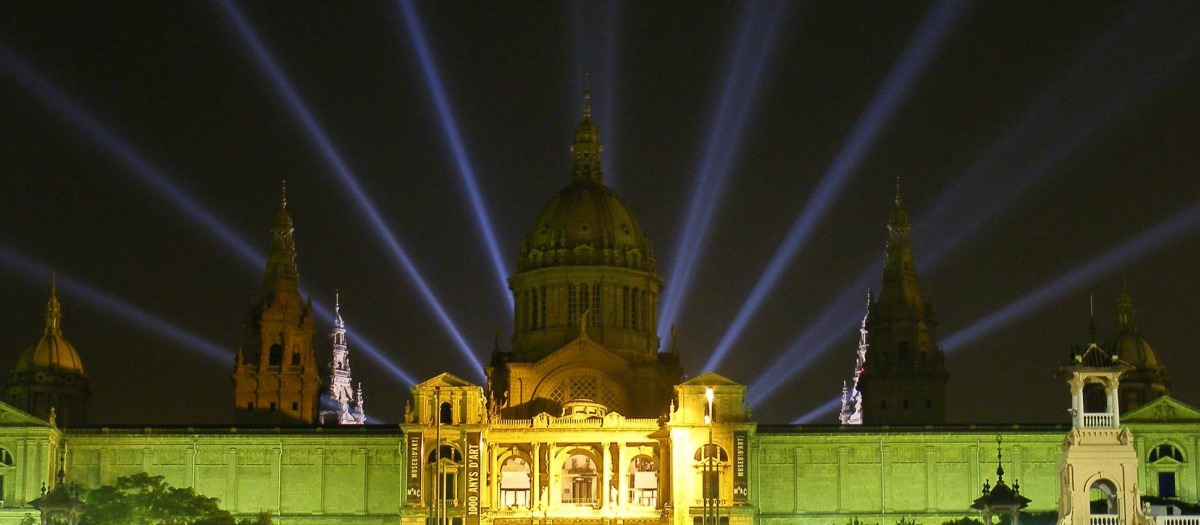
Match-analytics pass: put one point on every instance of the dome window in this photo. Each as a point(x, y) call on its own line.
point(625, 229)
point(583, 227)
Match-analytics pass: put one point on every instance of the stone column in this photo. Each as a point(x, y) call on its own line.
point(930, 485)
point(622, 477)
point(885, 466)
point(231, 481)
point(535, 493)
point(606, 475)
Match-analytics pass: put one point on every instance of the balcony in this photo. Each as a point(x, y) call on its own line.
point(1099, 420)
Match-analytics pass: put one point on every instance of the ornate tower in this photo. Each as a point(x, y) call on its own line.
point(341, 405)
point(1098, 456)
point(586, 280)
point(49, 378)
point(904, 376)
point(852, 407)
point(275, 376)
point(1148, 380)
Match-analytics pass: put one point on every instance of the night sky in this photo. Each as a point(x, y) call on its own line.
point(1087, 112)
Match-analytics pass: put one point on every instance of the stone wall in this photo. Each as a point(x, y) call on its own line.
point(302, 476)
point(931, 475)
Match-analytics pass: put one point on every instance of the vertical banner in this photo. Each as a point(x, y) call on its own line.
point(474, 477)
point(415, 454)
point(741, 445)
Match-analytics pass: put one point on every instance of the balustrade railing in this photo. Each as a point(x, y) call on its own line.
point(1105, 519)
point(1103, 420)
point(1177, 520)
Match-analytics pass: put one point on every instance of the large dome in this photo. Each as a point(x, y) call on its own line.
point(586, 224)
point(1127, 343)
point(1132, 348)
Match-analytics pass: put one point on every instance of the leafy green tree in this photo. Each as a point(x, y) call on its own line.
point(142, 499)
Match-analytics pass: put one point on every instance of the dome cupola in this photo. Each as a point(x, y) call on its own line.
point(48, 379)
point(585, 256)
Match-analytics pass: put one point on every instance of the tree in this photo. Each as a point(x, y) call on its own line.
point(142, 499)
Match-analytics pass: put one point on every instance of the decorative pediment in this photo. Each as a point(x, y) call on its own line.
point(445, 380)
point(585, 351)
point(710, 379)
point(1165, 409)
point(10, 416)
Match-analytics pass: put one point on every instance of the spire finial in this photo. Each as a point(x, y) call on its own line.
point(1092, 317)
point(897, 190)
point(337, 302)
point(53, 308)
point(587, 104)
point(283, 195)
point(999, 460)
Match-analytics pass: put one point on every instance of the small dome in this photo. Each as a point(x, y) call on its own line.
point(52, 351)
point(1132, 348)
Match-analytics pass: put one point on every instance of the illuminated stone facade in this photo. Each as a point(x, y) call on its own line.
point(275, 376)
point(585, 421)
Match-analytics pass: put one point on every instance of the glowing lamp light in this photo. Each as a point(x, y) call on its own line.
point(339, 166)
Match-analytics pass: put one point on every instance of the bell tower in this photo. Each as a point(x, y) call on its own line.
point(902, 370)
point(1098, 471)
point(275, 377)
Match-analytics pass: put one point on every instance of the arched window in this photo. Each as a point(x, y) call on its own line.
point(1103, 498)
point(275, 358)
point(295, 356)
point(1164, 451)
point(710, 461)
point(579, 486)
point(643, 481)
point(446, 461)
point(516, 480)
point(446, 413)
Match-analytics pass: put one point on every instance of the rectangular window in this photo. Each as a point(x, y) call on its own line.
point(633, 310)
point(624, 307)
point(596, 317)
point(295, 406)
point(585, 303)
point(542, 312)
point(571, 304)
point(533, 309)
point(250, 406)
point(272, 407)
point(1166, 484)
